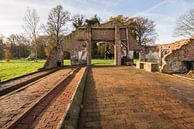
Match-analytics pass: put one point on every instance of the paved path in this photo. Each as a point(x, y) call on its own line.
point(14, 104)
point(128, 98)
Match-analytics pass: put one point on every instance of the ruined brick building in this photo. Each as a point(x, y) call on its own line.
point(177, 57)
point(79, 44)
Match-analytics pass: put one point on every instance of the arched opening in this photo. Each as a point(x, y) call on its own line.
point(136, 57)
point(189, 65)
point(103, 53)
point(66, 58)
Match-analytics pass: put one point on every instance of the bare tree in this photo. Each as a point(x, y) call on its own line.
point(31, 27)
point(185, 24)
point(57, 19)
point(78, 20)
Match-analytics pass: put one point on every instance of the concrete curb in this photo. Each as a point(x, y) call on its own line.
point(71, 116)
point(174, 75)
point(187, 78)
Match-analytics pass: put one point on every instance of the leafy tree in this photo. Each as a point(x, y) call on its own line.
point(95, 53)
point(78, 20)
point(119, 18)
point(19, 46)
point(185, 24)
point(104, 46)
point(42, 44)
point(142, 29)
point(7, 53)
point(95, 20)
point(49, 47)
point(1, 46)
point(92, 21)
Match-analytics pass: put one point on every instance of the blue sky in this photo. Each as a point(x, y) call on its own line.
point(163, 12)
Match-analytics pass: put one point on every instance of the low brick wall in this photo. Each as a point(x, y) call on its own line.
point(70, 119)
point(140, 65)
point(148, 66)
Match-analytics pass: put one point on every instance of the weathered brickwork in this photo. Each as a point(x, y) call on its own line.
point(177, 57)
point(13, 105)
point(79, 44)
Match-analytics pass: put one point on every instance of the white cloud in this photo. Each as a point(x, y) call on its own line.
point(164, 13)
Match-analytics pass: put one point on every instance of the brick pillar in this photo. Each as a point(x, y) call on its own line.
point(59, 55)
point(117, 48)
point(127, 37)
point(89, 46)
point(115, 56)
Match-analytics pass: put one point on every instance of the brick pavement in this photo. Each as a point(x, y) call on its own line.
point(15, 104)
point(129, 98)
point(51, 117)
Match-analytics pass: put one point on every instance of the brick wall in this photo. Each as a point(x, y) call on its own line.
point(171, 57)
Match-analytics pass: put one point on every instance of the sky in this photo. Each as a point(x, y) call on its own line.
point(163, 12)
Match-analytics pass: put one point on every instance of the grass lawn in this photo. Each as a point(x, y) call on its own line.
point(102, 62)
point(135, 61)
point(16, 68)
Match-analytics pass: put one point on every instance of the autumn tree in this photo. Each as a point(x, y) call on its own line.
point(78, 20)
point(55, 27)
point(1, 46)
point(50, 45)
point(19, 46)
point(119, 18)
point(7, 53)
point(142, 29)
point(104, 46)
point(185, 24)
point(44, 46)
point(32, 27)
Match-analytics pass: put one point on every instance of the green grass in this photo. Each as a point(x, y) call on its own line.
point(102, 62)
point(135, 61)
point(67, 62)
point(16, 68)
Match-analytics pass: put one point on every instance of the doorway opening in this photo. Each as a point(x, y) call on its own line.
point(67, 58)
point(103, 53)
point(189, 65)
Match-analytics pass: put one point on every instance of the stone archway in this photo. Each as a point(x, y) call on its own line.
point(108, 34)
